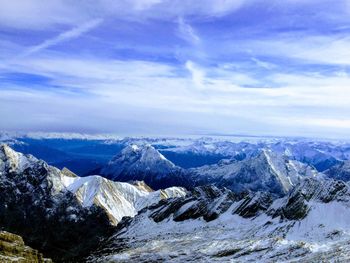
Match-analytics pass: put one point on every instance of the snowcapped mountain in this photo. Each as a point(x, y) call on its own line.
point(145, 163)
point(116, 198)
point(222, 148)
point(310, 224)
point(53, 202)
point(320, 155)
point(35, 204)
point(266, 172)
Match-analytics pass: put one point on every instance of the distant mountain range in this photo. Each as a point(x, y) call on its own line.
point(83, 154)
point(265, 172)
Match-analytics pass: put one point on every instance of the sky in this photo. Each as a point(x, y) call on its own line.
point(140, 67)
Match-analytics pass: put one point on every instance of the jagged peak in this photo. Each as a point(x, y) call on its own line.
point(15, 161)
point(7, 151)
point(146, 152)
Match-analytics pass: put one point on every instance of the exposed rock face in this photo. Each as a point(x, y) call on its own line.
point(145, 163)
point(209, 202)
point(295, 206)
point(65, 171)
point(254, 203)
point(212, 224)
point(13, 249)
point(266, 172)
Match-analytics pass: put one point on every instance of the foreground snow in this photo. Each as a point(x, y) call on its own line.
point(322, 233)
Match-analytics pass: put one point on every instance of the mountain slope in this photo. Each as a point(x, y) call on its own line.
point(145, 163)
point(116, 198)
point(322, 156)
point(266, 172)
point(246, 228)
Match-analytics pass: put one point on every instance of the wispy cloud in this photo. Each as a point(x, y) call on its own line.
point(187, 32)
point(197, 75)
point(263, 64)
point(176, 63)
point(65, 36)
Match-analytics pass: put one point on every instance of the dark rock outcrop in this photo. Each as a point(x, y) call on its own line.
point(13, 249)
point(209, 202)
point(254, 203)
point(295, 205)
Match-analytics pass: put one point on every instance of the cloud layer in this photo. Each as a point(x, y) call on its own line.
point(176, 67)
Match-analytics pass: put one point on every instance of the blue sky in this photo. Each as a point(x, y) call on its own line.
point(140, 67)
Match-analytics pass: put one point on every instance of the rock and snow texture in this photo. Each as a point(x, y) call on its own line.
point(14, 163)
point(145, 163)
point(33, 194)
point(116, 198)
point(218, 226)
point(266, 172)
point(64, 211)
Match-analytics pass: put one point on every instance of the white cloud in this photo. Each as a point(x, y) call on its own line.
point(130, 91)
point(186, 32)
point(110, 91)
point(41, 14)
point(198, 76)
point(318, 49)
point(263, 64)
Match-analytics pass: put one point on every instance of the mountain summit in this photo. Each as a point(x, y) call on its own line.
point(268, 172)
point(145, 163)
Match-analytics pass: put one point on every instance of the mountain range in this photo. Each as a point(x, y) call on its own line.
point(54, 203)
point(267, 205)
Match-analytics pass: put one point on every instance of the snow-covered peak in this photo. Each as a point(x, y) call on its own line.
point(26, 167)
point(145, 163)
point(288, 172)
point(146, 154)
point(118, 199)
point(14, 161)
point(266, 172)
